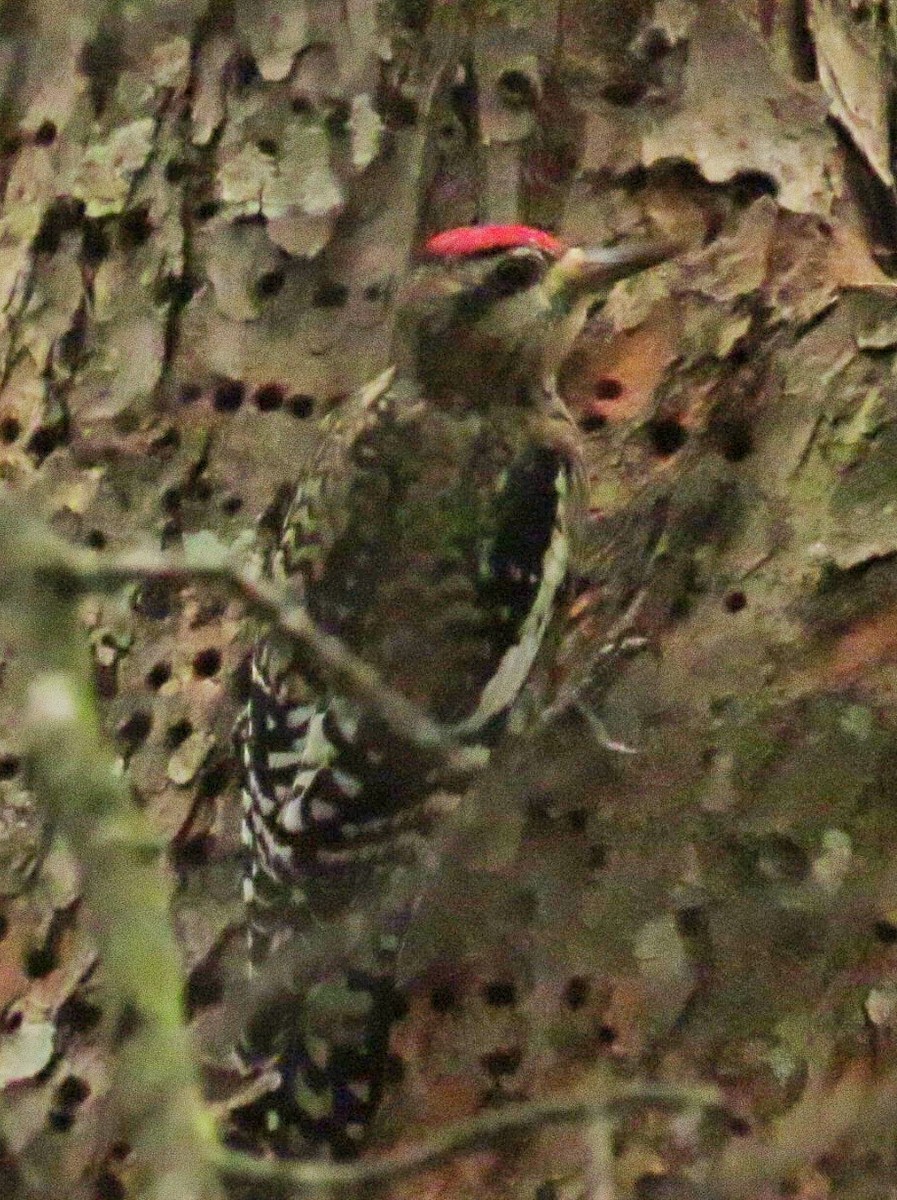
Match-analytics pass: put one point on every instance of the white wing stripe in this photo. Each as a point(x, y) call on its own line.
point(502, 689)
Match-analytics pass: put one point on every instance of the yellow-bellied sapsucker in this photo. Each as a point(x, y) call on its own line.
point(431, 535)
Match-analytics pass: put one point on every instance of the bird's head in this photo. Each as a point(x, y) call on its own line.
point(492, 311)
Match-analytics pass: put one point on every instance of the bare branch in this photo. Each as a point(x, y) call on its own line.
point(76, 571)
point(483, 1129)
point(127, 892)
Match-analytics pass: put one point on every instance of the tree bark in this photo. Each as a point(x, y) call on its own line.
point(206, 211)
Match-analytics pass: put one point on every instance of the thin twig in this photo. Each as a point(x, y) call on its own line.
point(76, 571)
point(352, 676)
point(616, 643)
point(49, 575)
point(461, 1136)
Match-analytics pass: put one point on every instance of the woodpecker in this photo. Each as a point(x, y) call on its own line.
point(432, 535)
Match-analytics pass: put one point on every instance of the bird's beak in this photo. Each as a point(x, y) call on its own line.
point(585, 270)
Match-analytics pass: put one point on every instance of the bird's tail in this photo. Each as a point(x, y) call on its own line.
point(331, 881)
point(329, 1054)
point(324, 1005)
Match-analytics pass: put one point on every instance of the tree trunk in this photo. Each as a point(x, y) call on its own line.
point(688, 876)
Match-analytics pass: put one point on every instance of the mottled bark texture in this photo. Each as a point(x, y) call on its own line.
point(206, 210)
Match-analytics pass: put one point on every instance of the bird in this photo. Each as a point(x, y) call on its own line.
point(432, 535)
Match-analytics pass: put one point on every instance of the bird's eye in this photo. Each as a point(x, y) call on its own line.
point(515, 273)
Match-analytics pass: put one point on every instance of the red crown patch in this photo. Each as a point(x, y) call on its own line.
point(480, 239)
